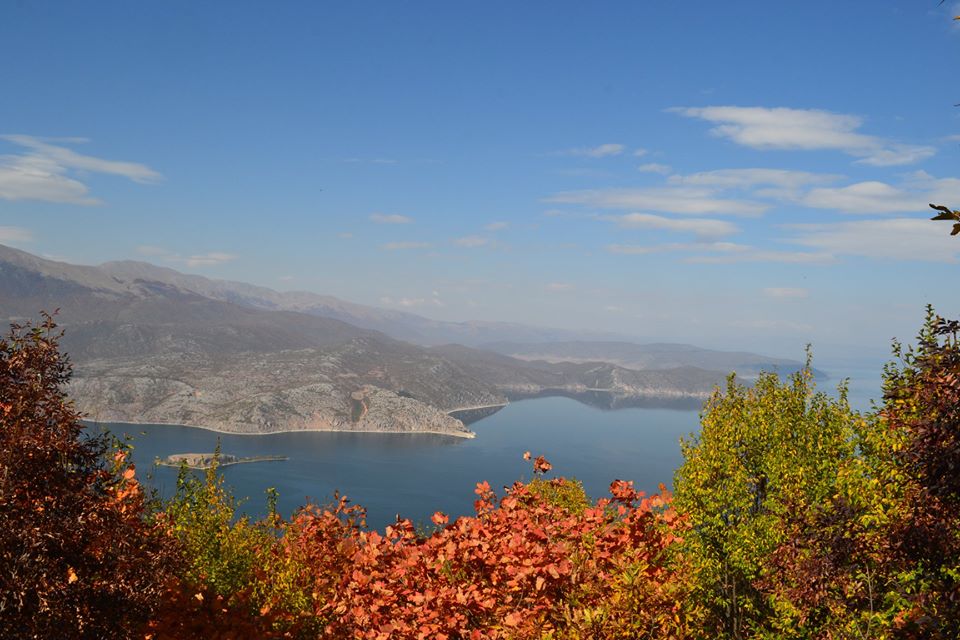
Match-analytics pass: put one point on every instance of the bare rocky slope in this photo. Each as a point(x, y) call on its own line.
point(151, 345)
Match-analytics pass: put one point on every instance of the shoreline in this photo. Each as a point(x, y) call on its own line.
point(499, 405)
point(466, 435)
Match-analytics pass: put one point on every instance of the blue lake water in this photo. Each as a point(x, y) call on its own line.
point(417, 474)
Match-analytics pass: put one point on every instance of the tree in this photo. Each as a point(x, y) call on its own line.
point(77, 557)
point(763, 453)
point(922, 404)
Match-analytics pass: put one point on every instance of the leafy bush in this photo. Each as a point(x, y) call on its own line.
point(764, 454)
point(78, 558)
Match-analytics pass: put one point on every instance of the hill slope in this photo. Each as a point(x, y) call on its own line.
point(153, 345)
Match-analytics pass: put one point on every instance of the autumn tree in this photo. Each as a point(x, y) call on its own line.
point(77, 557)
point(922, 406)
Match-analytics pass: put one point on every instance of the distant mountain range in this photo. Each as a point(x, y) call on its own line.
point(152, 345)
point(647, 356)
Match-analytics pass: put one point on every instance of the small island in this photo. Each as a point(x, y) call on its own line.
point(206, 460)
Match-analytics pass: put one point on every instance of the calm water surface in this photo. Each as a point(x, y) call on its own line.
point(417, 474)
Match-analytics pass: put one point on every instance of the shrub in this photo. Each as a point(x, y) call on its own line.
point(77, 557)
point(763, 455)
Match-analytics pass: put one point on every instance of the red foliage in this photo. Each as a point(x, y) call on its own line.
point(77, 559)
point(521, 568)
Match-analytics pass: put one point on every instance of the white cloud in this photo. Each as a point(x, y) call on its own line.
point(346, 235)
point(916, 239)
point(804, 129)
point(634, 249)
point(864, 197)
point(211, 259)
point(955, 138)
point(395, 246)
point(786, 292)
point(497, 226)
point(559, 286)
point(472, 241)
point(639, 153)
point(392, 218)
point(702, 227)
point(654, 167)
point(748, 178)
point(753, 254)
point(43, 171)
point(600, 151)
point(911, 196)
point(15, 234)
point(680, 200)
point(207, 259)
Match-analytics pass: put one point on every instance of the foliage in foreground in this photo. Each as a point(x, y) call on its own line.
point(795, 517)
point(78, 557)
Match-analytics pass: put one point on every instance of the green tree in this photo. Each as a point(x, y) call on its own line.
point(763, 454)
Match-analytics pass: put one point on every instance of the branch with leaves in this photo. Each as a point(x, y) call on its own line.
point(947, 214)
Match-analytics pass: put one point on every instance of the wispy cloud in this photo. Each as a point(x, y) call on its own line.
point(15, 234)
point(472, 241)
point(208, 259)
point(50, 172)
point(805, 129)
point(792, 293)
point(754, 177)
point(672, 247)
point(754, 254)
point(211, 259)
point(655, 167)
point(681, 200)
point(701, 227)
point(599, 151)
point(391, 218)
point(496, 226)
point(870, 198)
point(893, 239)
point(556, 287)
point(400, 246)
point(863, 197)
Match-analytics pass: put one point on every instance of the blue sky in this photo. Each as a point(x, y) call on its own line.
point(747, 174)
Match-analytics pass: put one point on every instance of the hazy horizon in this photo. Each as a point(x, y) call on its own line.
point(638, 170)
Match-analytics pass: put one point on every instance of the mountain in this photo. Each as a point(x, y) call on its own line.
point(656, 356)
point(401, 325)
point(152, 345)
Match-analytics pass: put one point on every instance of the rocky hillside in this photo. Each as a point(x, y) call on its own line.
point(152, 345)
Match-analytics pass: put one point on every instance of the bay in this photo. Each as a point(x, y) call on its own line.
point(413, 475)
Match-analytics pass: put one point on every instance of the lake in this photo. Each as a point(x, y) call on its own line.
point(417, 474)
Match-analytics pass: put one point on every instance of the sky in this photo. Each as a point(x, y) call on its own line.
point(736, 175)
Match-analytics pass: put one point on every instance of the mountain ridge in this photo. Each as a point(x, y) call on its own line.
point(153, 345)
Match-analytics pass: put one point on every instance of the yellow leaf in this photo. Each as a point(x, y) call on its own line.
point(71, 575)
